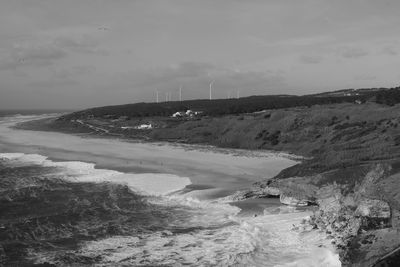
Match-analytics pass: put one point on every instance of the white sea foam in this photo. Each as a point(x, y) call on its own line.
point(253, 241)
point(220, 237)
point(77, 171)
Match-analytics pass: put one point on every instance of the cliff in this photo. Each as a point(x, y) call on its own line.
point(358, 207)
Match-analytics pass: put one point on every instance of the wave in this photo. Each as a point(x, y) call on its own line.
point(263, 241)
point(77, 171)
point(199, 233)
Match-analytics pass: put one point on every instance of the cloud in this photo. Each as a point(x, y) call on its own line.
point(365, 77)
point(307, 59)
point(31, 55)
point(52, 83)
point(39, 53)
point(195, 77)
point(353, 52)
point(390, 50)
point(73, 72)
point(80, 44)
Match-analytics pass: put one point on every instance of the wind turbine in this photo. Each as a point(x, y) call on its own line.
point(237, 94)
point(157, 96)
point(211, 84)
point(180, 93)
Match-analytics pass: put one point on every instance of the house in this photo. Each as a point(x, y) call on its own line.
point(192, 113)
point(178, 114)
point(188, 113)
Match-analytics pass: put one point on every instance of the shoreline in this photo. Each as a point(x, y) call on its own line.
point(331, 171)
point(244, 167)
point(39, 126)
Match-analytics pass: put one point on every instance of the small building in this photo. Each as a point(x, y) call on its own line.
point(192, 113)
point(187, 113)
point(178, 114)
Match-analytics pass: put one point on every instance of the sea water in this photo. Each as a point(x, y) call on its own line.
point(204, 233)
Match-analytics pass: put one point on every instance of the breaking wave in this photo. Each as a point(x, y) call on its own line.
point(198, 233)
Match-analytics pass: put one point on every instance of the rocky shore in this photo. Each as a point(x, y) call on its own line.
point(358, 208)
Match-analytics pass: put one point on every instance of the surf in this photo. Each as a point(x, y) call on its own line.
point(198, 232)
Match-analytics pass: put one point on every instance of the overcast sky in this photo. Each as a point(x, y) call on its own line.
point(83, 53)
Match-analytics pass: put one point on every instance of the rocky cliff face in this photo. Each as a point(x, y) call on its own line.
point(360, 215)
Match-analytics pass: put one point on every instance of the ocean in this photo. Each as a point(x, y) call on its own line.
point(67, 200)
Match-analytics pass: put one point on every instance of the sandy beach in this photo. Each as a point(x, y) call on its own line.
point(217, 172)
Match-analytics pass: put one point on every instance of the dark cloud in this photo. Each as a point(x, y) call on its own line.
point(81, 44)
point(307, 59)
point(72, 72)
point(39, 54)
point(52, 83)
point(353, 52)
point(32, 55)
point(195, 77)
point(390, 50)
point(365, 77)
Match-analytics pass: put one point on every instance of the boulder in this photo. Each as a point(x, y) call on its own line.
point(271, 191)
point(330, 204)
point(373, 208)
point(292, 201)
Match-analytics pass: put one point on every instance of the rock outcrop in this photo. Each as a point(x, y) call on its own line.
point(356, 208)
point(292, 201)
point(373, 208)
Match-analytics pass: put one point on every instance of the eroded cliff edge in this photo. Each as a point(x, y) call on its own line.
point(358, 207)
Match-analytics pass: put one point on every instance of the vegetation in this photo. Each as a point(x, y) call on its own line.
point(242, 105)
point(389, 97)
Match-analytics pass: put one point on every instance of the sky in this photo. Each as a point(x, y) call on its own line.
point(82, 53)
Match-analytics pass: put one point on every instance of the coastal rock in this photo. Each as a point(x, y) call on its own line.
point(272, 191)
point(255, 192)
point(373, 208)
point(292, 201)
point(330, 204)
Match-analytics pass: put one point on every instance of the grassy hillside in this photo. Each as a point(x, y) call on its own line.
point(213, 107)
point(219, 107)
